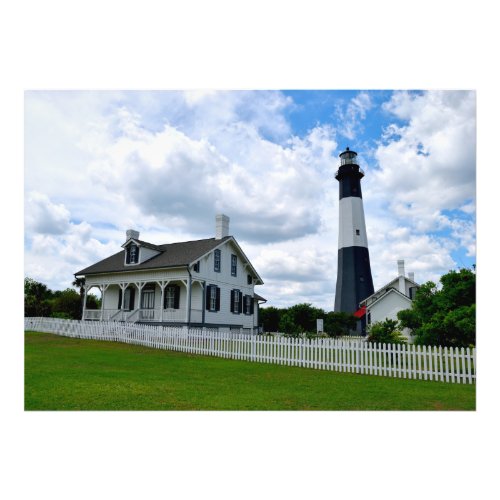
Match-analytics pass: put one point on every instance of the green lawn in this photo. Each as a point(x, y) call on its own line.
point(72, 374)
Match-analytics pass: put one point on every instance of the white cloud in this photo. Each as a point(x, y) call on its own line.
point(351, 118)
point(426, 174)
point(43, 216)
point(430, 166)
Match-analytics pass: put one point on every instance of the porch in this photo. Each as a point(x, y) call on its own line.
point(177, 301)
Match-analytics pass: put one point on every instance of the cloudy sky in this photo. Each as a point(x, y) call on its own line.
point(165, 162)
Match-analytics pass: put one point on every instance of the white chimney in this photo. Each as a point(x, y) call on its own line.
point(411, 276)
point(401, 274)
point(221, 226)
point(132, 233)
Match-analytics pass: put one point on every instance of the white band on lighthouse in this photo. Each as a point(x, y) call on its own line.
point(352, 228)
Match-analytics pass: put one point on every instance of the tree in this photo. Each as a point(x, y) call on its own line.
point(36, 297)
point(66, 304)
point(385, 332)
point(300, 318)
point(338, 324)
point(445, 316)
point(270, 317)
point(80, 284)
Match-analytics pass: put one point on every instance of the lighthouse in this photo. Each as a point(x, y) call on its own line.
point(354, 275)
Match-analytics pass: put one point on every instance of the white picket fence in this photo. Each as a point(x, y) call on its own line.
point(455, 365)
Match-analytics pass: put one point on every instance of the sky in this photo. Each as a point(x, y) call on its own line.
point(166, 162)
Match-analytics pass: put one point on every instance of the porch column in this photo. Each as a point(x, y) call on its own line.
point(162, 285)
point(188, 289)
point(140, 285)
point(123, 287)
point(86, 287)
point(103, 289)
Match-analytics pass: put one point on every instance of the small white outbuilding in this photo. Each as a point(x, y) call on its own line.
point(395, 296)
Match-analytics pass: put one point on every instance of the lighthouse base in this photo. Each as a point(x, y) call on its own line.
point(354, 280)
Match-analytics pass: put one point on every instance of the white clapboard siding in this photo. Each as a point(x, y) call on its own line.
point(453, 365)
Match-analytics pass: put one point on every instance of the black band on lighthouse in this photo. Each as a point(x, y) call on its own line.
point(349, 186)
point(354, 278)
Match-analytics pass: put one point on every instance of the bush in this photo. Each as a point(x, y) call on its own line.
point(61, 315)
point(386, 332)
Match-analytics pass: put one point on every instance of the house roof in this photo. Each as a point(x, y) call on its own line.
point(385, 294)
point(389, 286)
point(171, 255)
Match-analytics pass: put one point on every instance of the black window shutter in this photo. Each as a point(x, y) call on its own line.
point(132, 297)
point(251, 305)
point(207, 297)
point(217, 299)
point(177, 296)
point(120, 298)
point(127, 253)
point(240, 302)
point(232, 301)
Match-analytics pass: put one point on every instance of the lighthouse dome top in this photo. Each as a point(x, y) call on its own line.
point(348, 157)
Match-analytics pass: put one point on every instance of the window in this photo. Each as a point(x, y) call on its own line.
point(236, 301)
point(249, 279)
point(196, 267)
point(234, 264)
point(148, 299)
point(171, 297)
point(217, 261)
point(357, 232)
point(212, 298)
point(248, 304)
point(132, 255)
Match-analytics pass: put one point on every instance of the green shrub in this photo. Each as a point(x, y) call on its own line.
point(386, 332)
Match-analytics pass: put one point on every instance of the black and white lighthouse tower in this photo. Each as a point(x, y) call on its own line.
point(354, 275)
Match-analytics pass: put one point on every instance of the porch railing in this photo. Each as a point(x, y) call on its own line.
point(174, 315)
point(92, 314)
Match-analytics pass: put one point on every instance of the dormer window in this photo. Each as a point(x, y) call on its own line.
point(132, 254)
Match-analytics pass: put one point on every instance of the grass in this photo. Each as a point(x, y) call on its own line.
point(73, 374)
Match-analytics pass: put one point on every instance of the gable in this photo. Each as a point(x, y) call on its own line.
point(391, 297)
point(229, 246)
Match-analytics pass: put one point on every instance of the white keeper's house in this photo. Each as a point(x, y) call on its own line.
point(204, 283)
point(393, 297)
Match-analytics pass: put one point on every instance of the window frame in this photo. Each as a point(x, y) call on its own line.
point(247, 305)
point(217, 260)
point(213, 299)
point(234, 265)
point(128, 254)
point(148, 293)
point(169, 289)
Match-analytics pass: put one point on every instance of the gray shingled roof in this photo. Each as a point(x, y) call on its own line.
point(172, 255)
